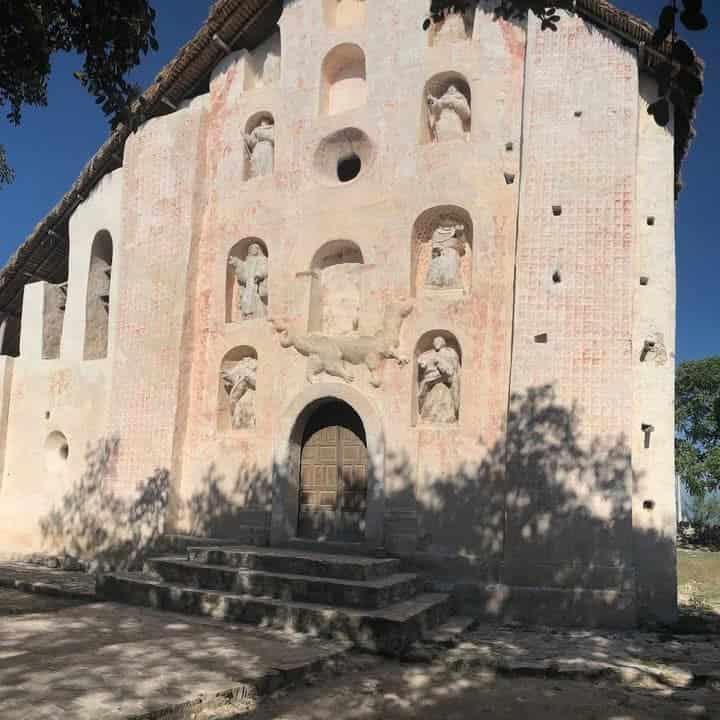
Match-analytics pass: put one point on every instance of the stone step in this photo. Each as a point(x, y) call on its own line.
point(176, 544)
point(336, 547)
point(369, 594)
point(297, 562)
point(389, 630)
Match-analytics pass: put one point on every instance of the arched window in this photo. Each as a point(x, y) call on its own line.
point(237, 387)
point(246, 294)
point(343, 13)
point(446, 111)
point(337, 288)
point(442, 250)
point(97, 307)
point(437, 379)
point(343, 83)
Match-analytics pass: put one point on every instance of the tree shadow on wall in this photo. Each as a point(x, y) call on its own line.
point(219, 507)
point(95, 523)
point(545, 507)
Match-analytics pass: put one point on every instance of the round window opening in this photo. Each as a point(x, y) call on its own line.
point(348, 167)
point(343, 156)
point(57, 451)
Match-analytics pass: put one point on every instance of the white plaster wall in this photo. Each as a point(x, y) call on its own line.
point(654, 504)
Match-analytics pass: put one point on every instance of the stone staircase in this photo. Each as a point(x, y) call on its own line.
point(364, 599)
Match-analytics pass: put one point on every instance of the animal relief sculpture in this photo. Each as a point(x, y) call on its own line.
point(332, 354)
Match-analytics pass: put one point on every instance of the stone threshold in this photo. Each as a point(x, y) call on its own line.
point(31, 578)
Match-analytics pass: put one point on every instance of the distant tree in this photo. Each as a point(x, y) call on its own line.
point(110, 35)
point(697, 424)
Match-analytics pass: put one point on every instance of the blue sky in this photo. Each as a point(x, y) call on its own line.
point(51, 146)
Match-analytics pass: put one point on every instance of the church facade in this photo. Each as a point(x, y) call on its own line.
point(367, 284)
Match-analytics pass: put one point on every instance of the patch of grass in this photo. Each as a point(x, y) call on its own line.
point(699, 578)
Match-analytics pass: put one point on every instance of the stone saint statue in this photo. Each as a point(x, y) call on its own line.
point(251, 275)
point(449, 27)
point(261, 146)
point(239, 383)
point(448, 245)
point(439, 383)
point(448, 115)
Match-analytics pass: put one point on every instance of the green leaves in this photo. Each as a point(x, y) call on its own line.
point(697, 424)
point(111, 35)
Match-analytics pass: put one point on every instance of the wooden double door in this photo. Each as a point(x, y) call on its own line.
point(333, 475)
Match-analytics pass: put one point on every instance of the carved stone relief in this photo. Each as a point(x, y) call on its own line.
point(449, 115)
point(239, 382)
point(438, 392)
point(332, 354)
point(251, 276)
point(260, 142)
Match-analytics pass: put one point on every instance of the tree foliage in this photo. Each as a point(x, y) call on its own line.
point(697, 424)
point(109, 35)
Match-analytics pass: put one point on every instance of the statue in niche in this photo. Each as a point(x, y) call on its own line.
point(239, 384)
point(251, 275)
point(270, 72)
point(449, 27)
point(261, 148)
point(439, 383)
point(448, 115)
point(447, 247)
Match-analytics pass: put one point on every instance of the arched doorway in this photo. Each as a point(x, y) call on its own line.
point(333, 474)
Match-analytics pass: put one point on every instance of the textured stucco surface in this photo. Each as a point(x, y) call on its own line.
point(533, 501)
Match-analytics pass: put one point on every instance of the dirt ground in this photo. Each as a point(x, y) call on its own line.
point(699, 578)
point(369, 688)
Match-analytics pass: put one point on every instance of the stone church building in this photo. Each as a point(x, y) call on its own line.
point(360, 280)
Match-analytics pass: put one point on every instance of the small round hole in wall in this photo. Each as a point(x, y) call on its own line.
point(57, 451)
point(343, 156)
point(349, 167)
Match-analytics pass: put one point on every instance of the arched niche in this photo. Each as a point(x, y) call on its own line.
point(259, 145)
point(57, 452)
point(287, 451)
point(336, 294)
point(343, 82)
point(97, 308)
point(446, 108)
point(442, 248)
point(247, 280)
point(236, 409)
point(449, 25)
point(437, 379)
point(263, 64)
point(343, 13)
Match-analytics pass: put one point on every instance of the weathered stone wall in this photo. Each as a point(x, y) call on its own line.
point(56, 409)
point(569, 521)
point(534, 497)
point(654, 504)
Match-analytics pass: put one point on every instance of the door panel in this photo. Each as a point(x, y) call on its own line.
point(333, 477)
